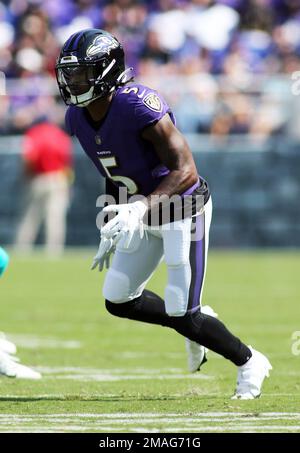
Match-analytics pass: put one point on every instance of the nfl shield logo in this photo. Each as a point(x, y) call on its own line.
point(98, 139)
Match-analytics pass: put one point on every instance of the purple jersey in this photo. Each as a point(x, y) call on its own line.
point(116, 147)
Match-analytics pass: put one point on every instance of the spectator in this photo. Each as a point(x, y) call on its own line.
point(243, 40)
point(47, 161)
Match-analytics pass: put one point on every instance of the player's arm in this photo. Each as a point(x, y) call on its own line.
point(174, 152)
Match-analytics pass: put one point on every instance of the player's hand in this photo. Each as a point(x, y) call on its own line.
point(128, 220)
point(106, 248)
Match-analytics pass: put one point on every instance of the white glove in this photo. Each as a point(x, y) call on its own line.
point(128, 220)
point(106, 248)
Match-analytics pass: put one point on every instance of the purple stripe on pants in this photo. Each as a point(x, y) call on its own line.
point(200, 259)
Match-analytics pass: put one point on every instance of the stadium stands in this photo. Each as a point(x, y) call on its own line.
point(225, 66)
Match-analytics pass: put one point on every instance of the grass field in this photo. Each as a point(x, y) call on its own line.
point(103, 374)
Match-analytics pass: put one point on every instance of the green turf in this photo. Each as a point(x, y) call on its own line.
point(103, 374)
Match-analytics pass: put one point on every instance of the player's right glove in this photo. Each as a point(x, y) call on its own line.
point(107, 246)
point(129, 219)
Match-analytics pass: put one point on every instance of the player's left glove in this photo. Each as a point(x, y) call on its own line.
point(128, 220)
point(106, 248)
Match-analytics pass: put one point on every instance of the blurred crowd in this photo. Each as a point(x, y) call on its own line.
point(225, 66)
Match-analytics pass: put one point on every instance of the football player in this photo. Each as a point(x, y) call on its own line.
point(9, 365)
point(130, 134)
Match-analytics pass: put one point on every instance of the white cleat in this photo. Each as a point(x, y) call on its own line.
point(196, 352)
point(7, 346)
point(196, 355)
point(10, 368)
point(251, 376)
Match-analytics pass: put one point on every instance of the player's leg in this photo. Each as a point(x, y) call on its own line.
point(191, 321)
point(253, 367)
point(32, 218)
point(55, 213)
point(131, 268)
point(125, 281)
point(185, 256)
point(185, 247)
point(5, 345)
point(197, 354)
point(8, 362)
point(183, 308)
point(10, 367)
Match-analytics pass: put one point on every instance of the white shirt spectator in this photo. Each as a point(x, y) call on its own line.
point(212, 27)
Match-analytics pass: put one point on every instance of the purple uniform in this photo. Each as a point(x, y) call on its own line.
point(116, 147)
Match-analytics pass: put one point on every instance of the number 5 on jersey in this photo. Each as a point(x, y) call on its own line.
point(110, 162)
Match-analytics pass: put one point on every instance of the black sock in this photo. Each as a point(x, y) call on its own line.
point(198, 327)
point(214, 335)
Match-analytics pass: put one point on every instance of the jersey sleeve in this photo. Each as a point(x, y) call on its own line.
point(143, 106)
point(150, 109)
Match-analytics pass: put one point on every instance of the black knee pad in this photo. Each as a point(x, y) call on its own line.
point(142, 309)
point(121, 310)
point(146, 308)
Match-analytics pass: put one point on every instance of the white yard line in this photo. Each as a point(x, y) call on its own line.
point(106, 377)
point(117, 374)
point(150, 422)
point(185, 421)
point(83, 370)
point(140, 429)
point(145, 355)
point(179, 429)
point(36, 342)
point(158, 416)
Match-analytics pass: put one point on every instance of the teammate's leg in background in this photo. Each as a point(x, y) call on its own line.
point(4, 260)
point(9, 365)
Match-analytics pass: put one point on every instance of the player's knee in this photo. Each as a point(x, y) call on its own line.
point(175, 301)
point(176, 260)
point(124, 310)
point(116, 287)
